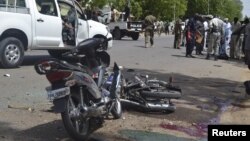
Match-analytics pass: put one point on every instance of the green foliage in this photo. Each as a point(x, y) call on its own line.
point(172, 9)
point(98, 3)
point(164, 9)
point(222, 8)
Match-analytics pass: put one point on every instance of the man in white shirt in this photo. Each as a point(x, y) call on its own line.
point(205, 23)
point(216, 32)
point(225, 47)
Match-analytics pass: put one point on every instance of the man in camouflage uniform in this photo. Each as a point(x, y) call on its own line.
point(177, 34)
point(149, 30)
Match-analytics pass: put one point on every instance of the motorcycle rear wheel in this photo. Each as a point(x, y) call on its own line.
point(77, 127)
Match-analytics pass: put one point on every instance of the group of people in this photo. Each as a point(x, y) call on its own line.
point(222, 38)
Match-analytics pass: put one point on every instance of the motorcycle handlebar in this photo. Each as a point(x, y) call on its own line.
point(104, 41)
point(75, 51)
point(72, 51)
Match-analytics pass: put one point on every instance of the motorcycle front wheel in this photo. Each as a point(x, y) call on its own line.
point(116, 110)
point(76, 126)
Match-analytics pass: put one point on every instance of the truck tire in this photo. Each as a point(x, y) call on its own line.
point(11, 52)
point(117, 34)
point(56, 53)
point(135, 36)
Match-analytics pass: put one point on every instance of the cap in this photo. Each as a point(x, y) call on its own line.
point(210, 16)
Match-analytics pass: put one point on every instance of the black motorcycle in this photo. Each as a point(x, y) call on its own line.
point(80, 91)
point(150, 95)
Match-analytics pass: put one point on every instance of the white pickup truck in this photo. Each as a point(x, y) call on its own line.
point(53, 25)
point(120, 28)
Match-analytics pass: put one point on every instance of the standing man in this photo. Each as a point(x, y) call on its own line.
point(205, 23)
point(167, 28)
point(190, 37)
point(177, 33)
point(216, 32)
point(234, 45)
point(199, 34)
point(149, 30)
point(225, 47)
point(247, 42)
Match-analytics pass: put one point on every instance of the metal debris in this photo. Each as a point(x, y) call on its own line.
point(6, 75)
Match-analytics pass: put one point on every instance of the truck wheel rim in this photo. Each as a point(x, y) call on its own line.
point(12, 53)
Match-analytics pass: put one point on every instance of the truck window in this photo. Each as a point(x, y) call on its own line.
point(20, 3)
point(12, 3)
point(16, 6)
point(46, 7)
point(80, 12)
point(65, 10)
point(2, 3)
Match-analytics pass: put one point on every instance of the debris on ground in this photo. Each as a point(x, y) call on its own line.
point(21, 108)
point(6, 75)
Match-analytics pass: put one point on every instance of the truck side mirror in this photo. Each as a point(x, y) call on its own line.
point(83, 16)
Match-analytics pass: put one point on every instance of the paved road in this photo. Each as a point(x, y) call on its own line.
point(201, 80)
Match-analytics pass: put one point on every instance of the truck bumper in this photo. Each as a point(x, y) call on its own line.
point(110, 43)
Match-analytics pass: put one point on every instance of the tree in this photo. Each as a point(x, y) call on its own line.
point(222, 8)
point(164, 9)
point(171, 9)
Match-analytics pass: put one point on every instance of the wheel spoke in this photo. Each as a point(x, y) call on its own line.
point(71, 114)
point(9, 47)
point(83, 126)
point(77, 126)
point(71, 102)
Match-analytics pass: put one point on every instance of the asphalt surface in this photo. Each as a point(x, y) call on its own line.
point(23, 87)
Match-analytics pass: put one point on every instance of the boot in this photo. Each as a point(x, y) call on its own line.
point(215, 58)
point(208, 56)
point(147, 45)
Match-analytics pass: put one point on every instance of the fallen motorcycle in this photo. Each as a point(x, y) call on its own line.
point(150, 95)
point(79, 91)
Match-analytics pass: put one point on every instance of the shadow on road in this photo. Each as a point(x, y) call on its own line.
point(140, 46)
point(150, 136)
point(30, 60)
point(237, 63)
point(51, 131)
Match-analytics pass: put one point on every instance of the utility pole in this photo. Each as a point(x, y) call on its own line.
point(207, 6)
point(174, 9)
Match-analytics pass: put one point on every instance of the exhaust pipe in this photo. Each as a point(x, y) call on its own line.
point(132, 103)
point(159, 106)
point(150, 106)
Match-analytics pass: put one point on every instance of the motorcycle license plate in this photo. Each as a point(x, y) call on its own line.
point(58, 93)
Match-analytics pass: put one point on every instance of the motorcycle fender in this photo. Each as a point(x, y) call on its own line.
point(59, 105)
point(87, 80)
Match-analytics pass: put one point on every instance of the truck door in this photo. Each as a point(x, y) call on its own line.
point(82, 30)
point(48, 24)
